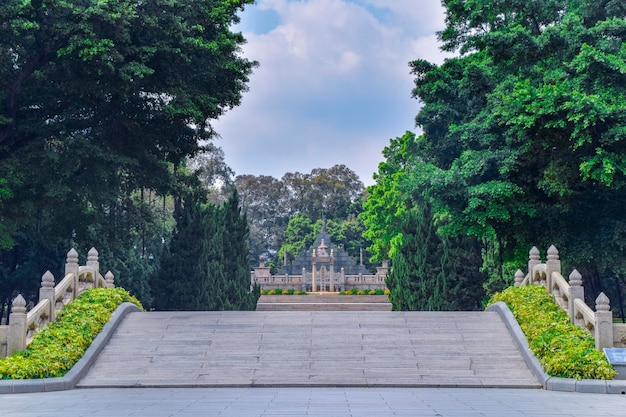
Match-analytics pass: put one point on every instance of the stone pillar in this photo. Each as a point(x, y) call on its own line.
point(533, 260)
point(553, 264)
point(46, 292)
point(343, 279)
point(574, 292)
point(71, 267)
point(519, 277)
point(603, 326)
point(92, 261)
point(304, 279)
point(332, 270)
point(109, 279)
point(313, 277)
point(16, 339)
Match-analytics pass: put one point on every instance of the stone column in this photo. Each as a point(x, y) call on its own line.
point(46, 292)
point(343, 279)
point(603, 326)
point(71, 267)
point(304, 279)
point(519, 277)
point(533, 259)
point(332, 270)
point(575, 291)
point(16, 339)
point(553, 264)
point(313, 277)
point(92, 261)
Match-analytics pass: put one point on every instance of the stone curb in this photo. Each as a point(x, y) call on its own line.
point(551, 383)
point(79, 370)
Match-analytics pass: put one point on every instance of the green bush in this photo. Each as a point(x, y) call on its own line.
point(58, 346)
point(563, 349)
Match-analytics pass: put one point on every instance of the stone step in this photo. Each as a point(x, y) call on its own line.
point(323, 302)
point(311, 349)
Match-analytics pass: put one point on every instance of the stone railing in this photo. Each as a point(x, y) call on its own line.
point(52, 298)
point(570, 295)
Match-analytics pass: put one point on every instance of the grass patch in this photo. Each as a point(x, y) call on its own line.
point(58, 346)
point(563, 349)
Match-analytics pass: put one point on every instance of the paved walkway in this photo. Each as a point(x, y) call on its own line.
point(311, 349)
point(322, 402)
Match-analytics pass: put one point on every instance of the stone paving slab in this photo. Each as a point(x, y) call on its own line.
point(310, 348)
point(323, 402)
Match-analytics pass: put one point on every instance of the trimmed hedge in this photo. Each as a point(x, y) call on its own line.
point(563, 349)
point(58, 346)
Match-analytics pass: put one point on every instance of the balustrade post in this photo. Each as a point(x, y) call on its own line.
point(533, 260)
point(109, 279)
point(553, 264)
point(16, 339)
point(46, 292)
point(519, 277)
point(575, 292)
point(603, 326)
point(92, 261)
point(304, 279)
point(71, 267)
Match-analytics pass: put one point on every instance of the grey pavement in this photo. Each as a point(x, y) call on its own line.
point(328, 402)
point(311, 349)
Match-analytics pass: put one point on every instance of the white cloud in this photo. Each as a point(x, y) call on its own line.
point(333, 84)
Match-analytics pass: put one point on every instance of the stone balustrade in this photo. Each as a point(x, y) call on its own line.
point(22, 326)
point(570, 295)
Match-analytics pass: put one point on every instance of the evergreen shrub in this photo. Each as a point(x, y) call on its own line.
point(58, 346)
point(563, 349)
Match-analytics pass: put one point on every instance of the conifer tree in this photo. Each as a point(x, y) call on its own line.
point(432, 272)
point(182, 272)
point(237, 294)
point(205, 266)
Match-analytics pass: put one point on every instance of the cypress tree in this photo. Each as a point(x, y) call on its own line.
point(183, 262)
point(431, 272)
point(236, 267)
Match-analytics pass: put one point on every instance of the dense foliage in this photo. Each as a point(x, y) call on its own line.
point(205, 265)
point(523, 138)
point(285, 215)
point(563, 349)
point(58, 346)
point(101, 103)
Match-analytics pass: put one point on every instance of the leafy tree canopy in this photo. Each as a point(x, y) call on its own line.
point(524, 131)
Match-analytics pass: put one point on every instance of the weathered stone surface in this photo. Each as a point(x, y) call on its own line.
point(311, 348)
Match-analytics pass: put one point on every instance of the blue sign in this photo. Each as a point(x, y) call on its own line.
point(616, 356)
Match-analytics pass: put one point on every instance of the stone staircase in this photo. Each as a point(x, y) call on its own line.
point(323, 302)
point(311, 349)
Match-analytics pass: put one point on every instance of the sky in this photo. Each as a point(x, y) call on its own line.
point(333, 84)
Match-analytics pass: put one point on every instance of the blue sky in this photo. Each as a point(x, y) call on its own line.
point(333, 85)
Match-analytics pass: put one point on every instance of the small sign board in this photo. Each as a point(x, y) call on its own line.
point(616, 356)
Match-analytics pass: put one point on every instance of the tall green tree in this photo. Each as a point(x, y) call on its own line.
point(180, 282)
point(523, 132)
point(100, 100)
point(238, 294)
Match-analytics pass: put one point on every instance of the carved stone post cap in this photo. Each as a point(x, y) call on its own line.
point(533, 255)
point(603, 303)
point(18, 305)
point(519, 277)
point(47, 280)
point(575, 279)
point(553, 253)
point(72, 256)
point(109, 277)
point(92, 255)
